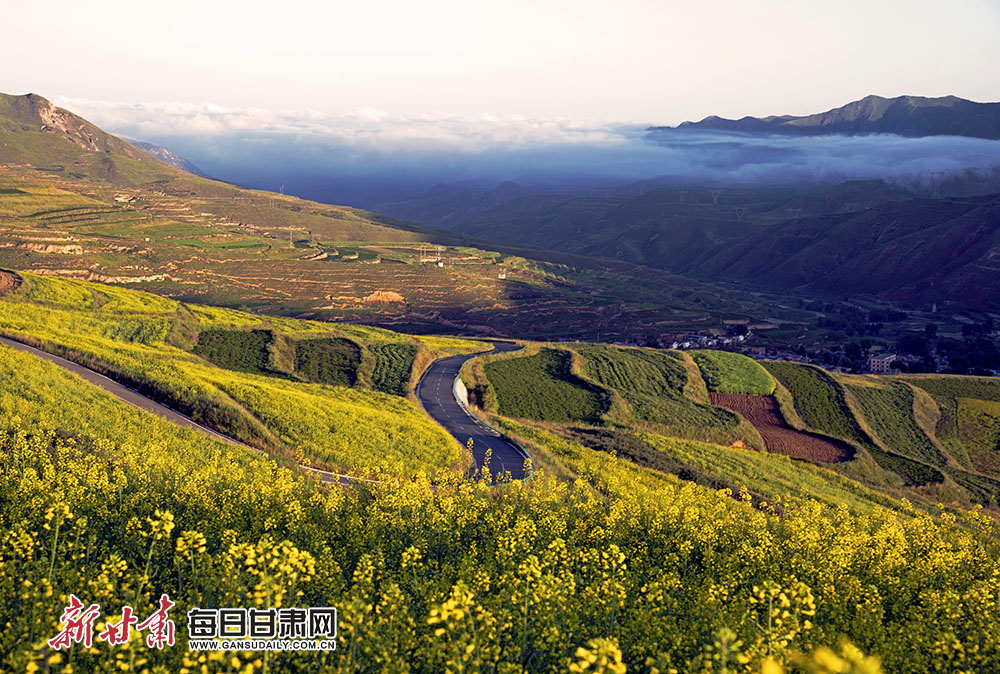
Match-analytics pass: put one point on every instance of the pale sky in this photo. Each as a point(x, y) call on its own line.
point(620, 61)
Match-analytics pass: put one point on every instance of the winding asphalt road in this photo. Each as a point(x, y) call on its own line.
point(436, 394)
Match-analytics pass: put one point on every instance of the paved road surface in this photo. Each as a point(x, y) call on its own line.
point(437, 397)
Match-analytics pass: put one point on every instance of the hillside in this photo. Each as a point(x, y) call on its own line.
point(903, 116)
point(917, 251)
point(867, 238)
point(333, 395)
point(617, 504)
point(711, 417)
point(80, 203)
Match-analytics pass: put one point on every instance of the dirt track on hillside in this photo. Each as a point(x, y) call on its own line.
point(9, 281)
point(763, 414)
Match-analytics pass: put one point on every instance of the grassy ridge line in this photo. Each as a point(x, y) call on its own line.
point(695, 388)
point(726, 372)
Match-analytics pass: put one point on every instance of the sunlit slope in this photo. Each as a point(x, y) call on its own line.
point(648, 408)
point(263, 381)
point(647, 405)
point(636, 545)
point(629, 562)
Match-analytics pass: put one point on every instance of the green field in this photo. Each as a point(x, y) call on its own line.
point(822, 405)
point(968, 418)
point(653, 384)
point(542, 387)
point(328, 360)
point(242, 350)
point(888, 410)
point(978, 426)
point(818, 400)
point(393, 365)
point(726, 372)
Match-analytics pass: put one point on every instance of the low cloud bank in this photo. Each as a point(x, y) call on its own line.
point(367, 156)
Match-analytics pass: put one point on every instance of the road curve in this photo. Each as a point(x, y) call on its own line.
point(436, 394)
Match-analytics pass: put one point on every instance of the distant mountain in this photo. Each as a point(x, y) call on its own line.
point(666, 227)
point(168, 157)
point(903, 116)
point(870, 237)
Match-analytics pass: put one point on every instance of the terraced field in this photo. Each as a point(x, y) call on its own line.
point(969, 418)
point(888, 410)
point(763, 413)
point(821, 403)
point(654, 385)
point(198, 240)
point(726, 372)
point(542, 387)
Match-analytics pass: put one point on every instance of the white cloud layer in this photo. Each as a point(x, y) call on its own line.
point(363, 129)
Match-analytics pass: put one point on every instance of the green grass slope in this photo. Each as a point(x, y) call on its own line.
point(968, 418)
point(653, 383)
point(821, 403)
point(543, 387)
point(888, 410)
point(726, 372)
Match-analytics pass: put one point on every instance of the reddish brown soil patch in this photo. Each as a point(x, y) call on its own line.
point(763, 414)
point(9, 281)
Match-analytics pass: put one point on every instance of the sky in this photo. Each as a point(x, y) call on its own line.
point(642, 61)
point(333, 98)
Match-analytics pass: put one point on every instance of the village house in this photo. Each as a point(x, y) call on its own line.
point(881, 364)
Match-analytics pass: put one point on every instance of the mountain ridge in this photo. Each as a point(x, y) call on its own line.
point(913, 116)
